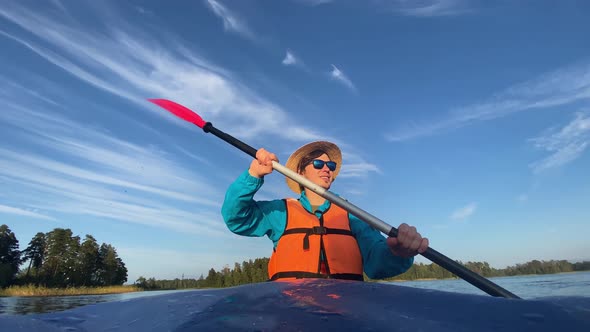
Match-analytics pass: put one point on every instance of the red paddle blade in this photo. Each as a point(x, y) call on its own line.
point(180, 111)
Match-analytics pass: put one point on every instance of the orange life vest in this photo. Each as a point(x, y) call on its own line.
point(307, 239)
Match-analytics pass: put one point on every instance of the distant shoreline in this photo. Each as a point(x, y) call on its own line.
point(39, 291)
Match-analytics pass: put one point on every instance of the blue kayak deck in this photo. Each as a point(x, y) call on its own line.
point(308, 305)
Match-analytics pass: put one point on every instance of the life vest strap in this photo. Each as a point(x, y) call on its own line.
point(302, 274)
point(316, 230)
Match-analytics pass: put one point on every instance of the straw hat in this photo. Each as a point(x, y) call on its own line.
point(329, 148)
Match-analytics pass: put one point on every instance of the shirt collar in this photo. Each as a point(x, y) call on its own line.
point(307, 205)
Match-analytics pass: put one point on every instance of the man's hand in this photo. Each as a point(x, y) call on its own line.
point(408, 242)
point(262, 165)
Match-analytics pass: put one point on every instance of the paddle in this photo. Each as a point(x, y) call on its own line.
point(433, 255)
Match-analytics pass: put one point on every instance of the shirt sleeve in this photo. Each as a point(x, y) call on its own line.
point(245, 216)
point(378, 260)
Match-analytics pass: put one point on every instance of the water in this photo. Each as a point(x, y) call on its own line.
point(41, 304)
point(527, 287)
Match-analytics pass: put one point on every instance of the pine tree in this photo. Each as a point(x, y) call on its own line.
point(35, 253)
point(89, 262)
point(10, 256)
point(61, 265)
point(112, 270)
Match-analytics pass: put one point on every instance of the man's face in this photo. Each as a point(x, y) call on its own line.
point(323, 176)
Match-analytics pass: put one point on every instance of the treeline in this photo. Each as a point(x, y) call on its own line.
point(245, 273)
point(59, 259)
point(256, 271)
point(434, 271)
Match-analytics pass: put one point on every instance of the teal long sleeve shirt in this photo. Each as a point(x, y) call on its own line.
point(245, 216)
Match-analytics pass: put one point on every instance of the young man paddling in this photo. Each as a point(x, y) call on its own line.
point(313, 238)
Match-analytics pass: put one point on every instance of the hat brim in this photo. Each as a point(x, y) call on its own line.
point(330, 149)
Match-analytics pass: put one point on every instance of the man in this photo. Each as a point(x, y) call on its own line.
point(313, 238)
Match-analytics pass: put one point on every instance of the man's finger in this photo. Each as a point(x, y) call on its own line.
point(402, 232)
point(392, 242)
point(415, 245)
point(423, 245)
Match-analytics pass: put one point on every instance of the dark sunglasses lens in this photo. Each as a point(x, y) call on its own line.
point(319, 164)
point(331, 165)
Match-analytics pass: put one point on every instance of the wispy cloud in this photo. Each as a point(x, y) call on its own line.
point(313, 2)
point(143, 11)
point(22, 212)
point(59, 4)
point(113, 173)
point(51, 163)
point(83, 175)
point(53, 190)
point(416, 8)
point(464, 212)
point(355, 166)
point(340, 77)
point(522, 198)
point(358, 170)
point(560, 87)
point(428, 8)
point(231, 22)
point(565, 144)
point(291, 60)
point(132, 66)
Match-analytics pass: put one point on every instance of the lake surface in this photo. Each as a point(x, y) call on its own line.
point(527, 287)
point(29, 305)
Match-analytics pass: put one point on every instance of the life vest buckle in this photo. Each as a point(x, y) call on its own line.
point(315, 230)
point(318, 230)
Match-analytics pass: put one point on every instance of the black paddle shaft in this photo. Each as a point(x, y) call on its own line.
point(433, 255)
point(208, 128)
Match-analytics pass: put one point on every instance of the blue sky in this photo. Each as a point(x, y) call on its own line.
point(467, 119)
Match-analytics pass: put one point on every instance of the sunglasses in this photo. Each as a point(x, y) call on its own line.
point(319, 164)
